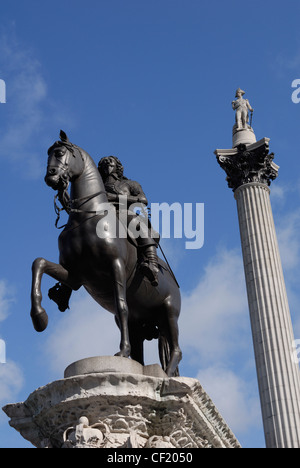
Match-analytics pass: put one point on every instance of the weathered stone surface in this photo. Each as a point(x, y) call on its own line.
point(115, 410)
point(100, 364)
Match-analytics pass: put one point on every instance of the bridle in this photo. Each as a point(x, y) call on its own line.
point(63, 196)
point(67, 203)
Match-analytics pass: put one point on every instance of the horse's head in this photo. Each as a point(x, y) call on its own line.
point(65, 162)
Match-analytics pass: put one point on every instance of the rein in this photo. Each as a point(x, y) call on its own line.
point(67, 205)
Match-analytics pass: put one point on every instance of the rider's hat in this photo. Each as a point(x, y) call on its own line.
point(239, 90)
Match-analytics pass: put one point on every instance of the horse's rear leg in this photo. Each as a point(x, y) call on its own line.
point(119, 278)
point(172, 336)
point(136, 343)
point(39, 267)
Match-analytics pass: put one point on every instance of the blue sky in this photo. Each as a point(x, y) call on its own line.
point(152, 83)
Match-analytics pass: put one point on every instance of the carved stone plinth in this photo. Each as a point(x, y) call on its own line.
point(121, 410)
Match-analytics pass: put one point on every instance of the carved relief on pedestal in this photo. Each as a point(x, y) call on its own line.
point(83, 435)
point(119, 435)
point(121, 411)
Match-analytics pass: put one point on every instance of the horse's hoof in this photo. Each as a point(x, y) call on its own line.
point(172, 369)
point(39, 320)
point(125, 354)
point(60, 294)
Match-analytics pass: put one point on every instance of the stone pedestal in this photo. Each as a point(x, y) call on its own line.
point(243, 136)
point(139, 407)
point(250, 169)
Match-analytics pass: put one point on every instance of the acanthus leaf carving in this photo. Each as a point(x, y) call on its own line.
point(246, 165)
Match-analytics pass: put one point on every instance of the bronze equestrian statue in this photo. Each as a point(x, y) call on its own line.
point(144, 298)
point(116, 186)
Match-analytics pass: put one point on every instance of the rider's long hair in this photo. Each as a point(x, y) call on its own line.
point(120, 168)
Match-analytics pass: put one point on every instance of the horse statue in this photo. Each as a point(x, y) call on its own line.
point(107, 265)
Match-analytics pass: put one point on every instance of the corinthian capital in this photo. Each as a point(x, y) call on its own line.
point(248, 163)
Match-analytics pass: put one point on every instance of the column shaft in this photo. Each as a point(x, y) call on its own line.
point(278, 374)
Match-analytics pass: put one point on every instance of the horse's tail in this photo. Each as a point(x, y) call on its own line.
point(165, 354)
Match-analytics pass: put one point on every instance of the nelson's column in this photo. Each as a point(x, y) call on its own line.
point(250, 169)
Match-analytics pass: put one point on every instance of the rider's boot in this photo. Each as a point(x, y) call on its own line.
point(150, 266)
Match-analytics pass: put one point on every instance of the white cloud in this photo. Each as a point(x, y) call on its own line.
point(29, 110)
point(214, 317)
point(288, 239)
point(85, 330)
point(278, 193)
point(11, 376)
point(235, 397)
point(287, 222)
point(26, 93)
point(6, 299)
point(11, 382)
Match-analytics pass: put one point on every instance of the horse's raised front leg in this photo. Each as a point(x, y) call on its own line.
point(119, 278)
point(39, 267)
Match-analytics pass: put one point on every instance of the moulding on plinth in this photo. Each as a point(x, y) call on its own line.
point(121, 410)
point(243, 136)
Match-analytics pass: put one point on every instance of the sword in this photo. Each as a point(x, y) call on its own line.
point(251, 115)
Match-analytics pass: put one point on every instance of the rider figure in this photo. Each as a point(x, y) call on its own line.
point(117, 187)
